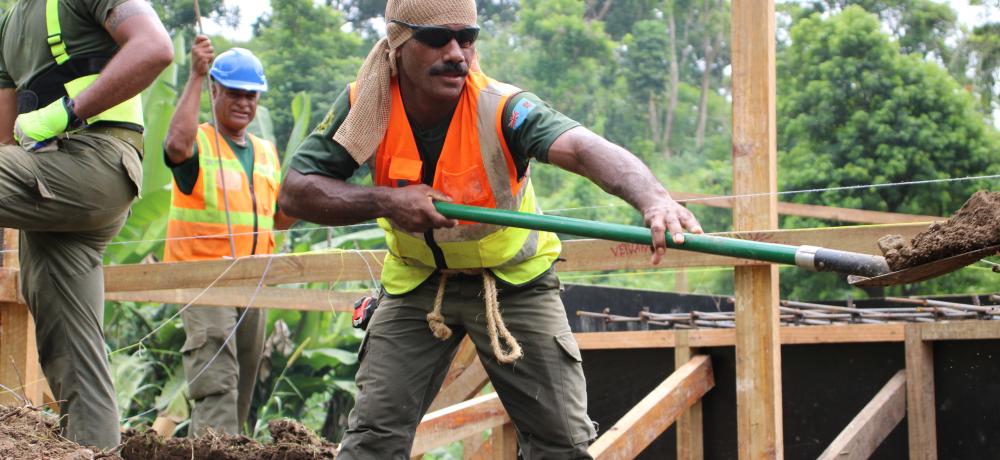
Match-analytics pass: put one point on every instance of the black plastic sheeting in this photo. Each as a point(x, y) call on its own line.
point(823, 386)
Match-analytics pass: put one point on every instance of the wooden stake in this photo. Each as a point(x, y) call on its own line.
point(872, 425)
point(690, 444)
point(921, 416)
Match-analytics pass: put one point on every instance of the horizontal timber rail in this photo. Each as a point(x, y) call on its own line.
point(579, 255)
point(859, 216)
point(793, 335)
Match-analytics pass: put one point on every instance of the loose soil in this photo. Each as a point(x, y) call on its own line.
point(29, 433)
point(26, 432)
point(975, 226)
point(292, 441)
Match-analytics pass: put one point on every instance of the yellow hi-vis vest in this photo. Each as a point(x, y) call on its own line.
point(196, 229)
point(475, 168)
point(127, 113)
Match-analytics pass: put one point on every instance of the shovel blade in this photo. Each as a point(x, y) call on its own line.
point(925, 271)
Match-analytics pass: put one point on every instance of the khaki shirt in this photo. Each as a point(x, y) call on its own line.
point(24, 49)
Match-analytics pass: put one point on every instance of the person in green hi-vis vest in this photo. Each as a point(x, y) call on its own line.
point(70, 76)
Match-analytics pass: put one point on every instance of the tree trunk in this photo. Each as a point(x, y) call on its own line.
point(654, 118)
point(711, 49)
point(672, 90)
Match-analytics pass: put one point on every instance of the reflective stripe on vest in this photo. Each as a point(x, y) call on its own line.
point(129, 111)
point(487, 179)
point(202, 213)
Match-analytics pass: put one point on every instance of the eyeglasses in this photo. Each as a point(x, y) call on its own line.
point(439, 36)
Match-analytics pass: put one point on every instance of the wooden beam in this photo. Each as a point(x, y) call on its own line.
point(755, 173)
point(872, 425)
point(322, 300)
point(705, 338)
point(656, 412)
point(859, 216)
point(501, 445)
point(246, 271)
point(445, 426)
point(20, 373)
point(921, 416)
point(690, 442)
point(580, 255)
point(961, 330)
point(465, 386)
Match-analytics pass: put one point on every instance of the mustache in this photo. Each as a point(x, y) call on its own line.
point(449, 68)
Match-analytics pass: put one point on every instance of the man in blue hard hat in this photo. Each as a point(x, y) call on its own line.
point(223, 205)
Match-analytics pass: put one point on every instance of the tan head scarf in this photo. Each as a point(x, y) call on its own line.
point(368, 119)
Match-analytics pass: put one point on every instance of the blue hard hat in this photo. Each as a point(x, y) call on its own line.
point(238, 68)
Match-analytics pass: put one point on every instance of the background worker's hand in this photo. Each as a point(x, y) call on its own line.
point(34, 129)
point(202, 55)
point(412, 209)
point(666, 215)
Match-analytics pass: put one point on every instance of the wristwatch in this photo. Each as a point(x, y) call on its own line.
point(74, 121)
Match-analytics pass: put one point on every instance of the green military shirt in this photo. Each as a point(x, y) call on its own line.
point(186, 172)
point(530, 127)
point(25, 52)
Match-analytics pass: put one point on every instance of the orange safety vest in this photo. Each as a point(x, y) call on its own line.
point(475, 168)
point(196, 229)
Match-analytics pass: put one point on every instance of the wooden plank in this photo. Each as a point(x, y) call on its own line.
point(872, 425)
point(758, 346)
point(322, 300)
point(10, 286)
point(464, 357)
point(704, 338)
point(961, 330)
point(641, 425)
point(580, 255)
point(690, 442)
point(859, 216)
point(454, 423)
point(921, 416)
point(465, 386)
point(246, 271)
point(20, 373)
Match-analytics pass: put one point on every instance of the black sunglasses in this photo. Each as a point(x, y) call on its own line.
point(438, 36)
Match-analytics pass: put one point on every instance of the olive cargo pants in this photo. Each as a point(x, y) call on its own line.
point(221, 380)
point(68, 204)
point(403, 365)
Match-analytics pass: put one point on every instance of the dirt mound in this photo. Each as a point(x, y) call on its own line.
point(292, 441)
point(975, 226)
point(26, 432)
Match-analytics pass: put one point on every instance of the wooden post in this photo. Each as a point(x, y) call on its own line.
point(758, 353)
point(690, 445)
point(920, 410)
point(19, 370)
point(872, 425)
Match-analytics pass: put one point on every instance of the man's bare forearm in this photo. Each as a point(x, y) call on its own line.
point(614, 169)
point(145, 50)
point(179, 143)
point(329, 201)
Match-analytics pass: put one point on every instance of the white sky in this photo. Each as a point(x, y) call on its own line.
point(250, 10)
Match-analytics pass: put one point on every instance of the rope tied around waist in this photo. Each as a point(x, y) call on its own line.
point(495, 326)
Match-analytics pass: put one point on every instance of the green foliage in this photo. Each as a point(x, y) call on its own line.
point(304, 49)
point(886, 117)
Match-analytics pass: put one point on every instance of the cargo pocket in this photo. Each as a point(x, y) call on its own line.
point(568, 344)
point(194, 341)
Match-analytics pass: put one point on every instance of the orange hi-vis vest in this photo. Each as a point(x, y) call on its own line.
point(475, 168)
point(196, 229)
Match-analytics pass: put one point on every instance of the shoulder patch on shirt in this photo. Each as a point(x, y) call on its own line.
point(521, 111)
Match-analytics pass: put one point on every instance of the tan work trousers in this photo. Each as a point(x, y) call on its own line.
point(221, 378)
point(403, 365)
point(68, 204)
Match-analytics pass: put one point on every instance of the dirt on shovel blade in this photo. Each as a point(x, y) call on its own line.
point(26, 432)
point(291, 441)
point(975, 226)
